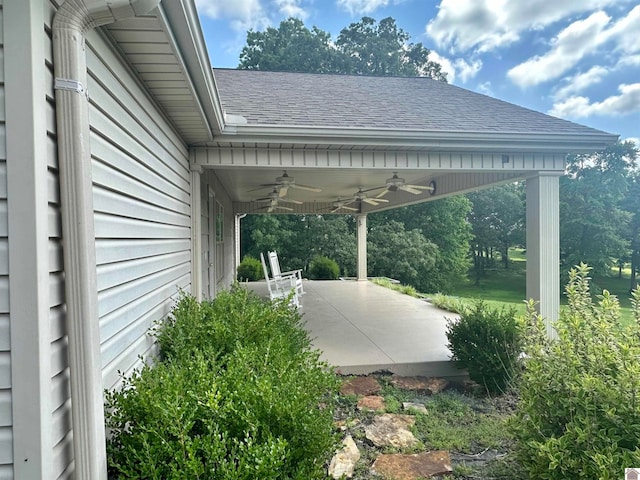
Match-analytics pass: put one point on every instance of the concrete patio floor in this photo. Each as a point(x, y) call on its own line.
point(361, 328)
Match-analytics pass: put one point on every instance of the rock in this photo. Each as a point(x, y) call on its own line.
point(360, 386)
point(344, 461)
point(412, 467)
point(418, 407)
point(391, 430)
point(425, 385)
point(371, 402)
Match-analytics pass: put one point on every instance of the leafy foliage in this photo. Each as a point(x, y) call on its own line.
point(250, 269)
point(324, 268)
point(443, 223)
point(579, 413)
point(404, 255)
point(365, 47)
point(238, 395)
point(593, 224)
point(487, 343)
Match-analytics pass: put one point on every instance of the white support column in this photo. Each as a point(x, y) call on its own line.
point(361, 221)
point(26, 126)
point(196, 232)
point(236, 239)
point(543, 245)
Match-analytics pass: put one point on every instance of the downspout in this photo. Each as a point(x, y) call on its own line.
point(70, 25)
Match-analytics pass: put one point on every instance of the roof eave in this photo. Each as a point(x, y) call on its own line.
point(429, 140)
point(182, 21)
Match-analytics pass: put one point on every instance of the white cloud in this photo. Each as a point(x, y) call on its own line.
point(626, 32)
point(361, 7)
point(292, 8)
point(629, 61)
point(578, 83)
point(579, 107)
point(458, 68)
point(445, 63)
point(489, 24)
point(242, 14)
point(632, 139)
point(485, 88)
point(467, 70)
point(568, 48)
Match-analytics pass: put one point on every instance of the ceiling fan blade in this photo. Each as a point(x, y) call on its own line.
point(306, 187)
point(410, 189)
point(371, 201)
point(382, 193)
point(420, 187)
point(283, 190)
point(280, 207)
point(344, 207)
point(263, 186)
point(263, 199)
point(288, 200)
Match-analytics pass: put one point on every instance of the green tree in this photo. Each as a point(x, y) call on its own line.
point(363, 48)
point(401, 254)
point(442, 222)
point(498, 220)
point(291, 47)
point(593, 224)
point(384, 49)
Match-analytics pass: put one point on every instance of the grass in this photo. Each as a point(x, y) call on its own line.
point(501, 287)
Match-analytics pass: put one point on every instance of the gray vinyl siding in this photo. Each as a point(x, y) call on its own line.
point(6, 431)
point(142, 210)
point(61, 437)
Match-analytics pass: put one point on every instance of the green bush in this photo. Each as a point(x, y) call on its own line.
point(579, 409)
point(238, 394)
point(324, 268)
point(487, 343)
point(250, 269)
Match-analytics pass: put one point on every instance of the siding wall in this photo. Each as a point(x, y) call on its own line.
point(142, 210)
point(6, 437)
point(142, 221)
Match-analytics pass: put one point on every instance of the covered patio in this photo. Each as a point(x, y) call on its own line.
point(361, 327)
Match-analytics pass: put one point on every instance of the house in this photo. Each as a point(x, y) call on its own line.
point(125, 169)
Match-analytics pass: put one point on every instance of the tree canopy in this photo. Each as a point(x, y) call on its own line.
point(367, 47)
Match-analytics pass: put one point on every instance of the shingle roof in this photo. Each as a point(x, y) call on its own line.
point(397, 103)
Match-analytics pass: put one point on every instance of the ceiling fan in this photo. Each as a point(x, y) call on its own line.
point(361, 196)
point(396, 183)
point(285, 182)
point(274, 199)
point(341, 204)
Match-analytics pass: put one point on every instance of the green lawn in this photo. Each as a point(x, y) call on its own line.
point(500, 287)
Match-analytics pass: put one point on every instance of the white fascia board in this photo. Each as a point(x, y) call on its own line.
point(181, 23)
point(436, 140)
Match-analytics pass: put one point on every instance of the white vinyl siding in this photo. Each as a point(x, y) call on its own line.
point(142, 210)
point(6, 431)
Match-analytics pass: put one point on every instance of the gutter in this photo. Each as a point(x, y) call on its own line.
point(70, 25)
point(566, 142)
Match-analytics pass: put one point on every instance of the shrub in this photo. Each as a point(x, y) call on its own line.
point(579, 411)
point(324, 268)
point(249, 270)
point(238, 394)
point(487, 342)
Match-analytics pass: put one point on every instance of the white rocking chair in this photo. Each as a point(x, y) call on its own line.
point(293, 275)
point(280, 288)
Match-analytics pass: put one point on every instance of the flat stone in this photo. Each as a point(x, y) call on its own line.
point(418, 407)
point(345, 459)
point(412, 467)
point(391, 430)
point(360, 386)
point(371, 402)
point(427, 385)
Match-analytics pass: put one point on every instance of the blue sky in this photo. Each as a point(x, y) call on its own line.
point(575, 59)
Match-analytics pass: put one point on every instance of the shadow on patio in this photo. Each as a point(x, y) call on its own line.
point(361, 328)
